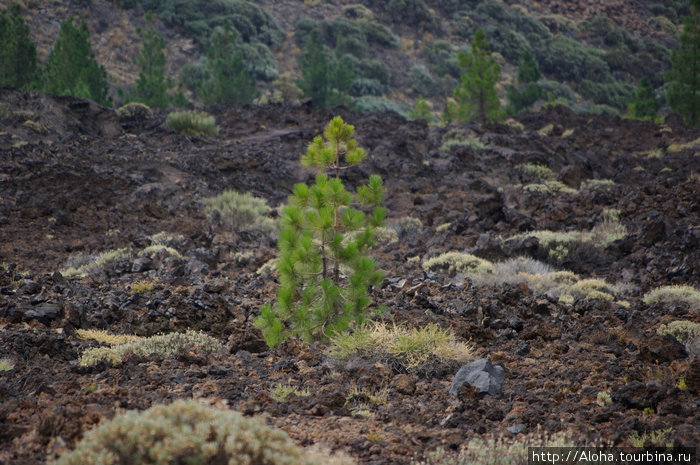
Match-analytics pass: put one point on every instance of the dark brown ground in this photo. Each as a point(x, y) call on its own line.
point(82, 182)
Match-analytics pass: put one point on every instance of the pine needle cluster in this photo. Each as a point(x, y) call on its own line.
point(325, 231)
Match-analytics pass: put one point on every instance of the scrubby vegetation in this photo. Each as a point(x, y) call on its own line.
point(195, 123)
point(241, 211)
point(674, 295)
point(429, 350)
point(187, 432)
point(164, 345)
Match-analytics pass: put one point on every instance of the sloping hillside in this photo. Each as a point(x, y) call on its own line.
point(589, 54)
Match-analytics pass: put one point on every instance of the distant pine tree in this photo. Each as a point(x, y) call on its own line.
point(529, 92)
point(18, 66)
point(315, 71)
point(325, 77)
point(684, 76)
point(645, 103)
point(71, 68)
point(476, 97)
point(151, 86)
point(228, 80)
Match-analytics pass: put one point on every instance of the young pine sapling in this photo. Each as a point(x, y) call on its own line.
point(324, 274)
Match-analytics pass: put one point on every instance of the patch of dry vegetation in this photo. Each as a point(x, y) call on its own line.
point(165, 345)
point(188, 431)
point(674, 295)
point(429, 350)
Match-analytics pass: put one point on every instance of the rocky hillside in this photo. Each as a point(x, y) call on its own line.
point(562, 226)
point(592, 55)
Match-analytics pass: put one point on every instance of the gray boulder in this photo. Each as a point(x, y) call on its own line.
point(483, 375)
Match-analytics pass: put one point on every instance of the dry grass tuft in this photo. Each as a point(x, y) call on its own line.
point(426, 351)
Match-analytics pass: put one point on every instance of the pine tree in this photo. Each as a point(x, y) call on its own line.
point(152, 86)
point(324, 274)
point(71, 68)
point(315, 71)
point(645, 103)
point(684, 76)
point(421, 111)
point(529, 91)
point(326, 77)
point(228, 80)
point(18, 66)
point(476, 96)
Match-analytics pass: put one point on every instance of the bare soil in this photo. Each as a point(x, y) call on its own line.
point(79, 181)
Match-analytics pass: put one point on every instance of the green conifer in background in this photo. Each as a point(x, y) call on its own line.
point(152, 86)
point(315, 71)
point(529, 91)
point(326, 76)
point(645, 104)
point(476, 97)
point(18, 66)
point(684, 76)
point(228, 80)
point(71, 68)
point(324, 275)
point(421, 110)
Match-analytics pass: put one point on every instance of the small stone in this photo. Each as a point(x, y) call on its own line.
point(516, 429)
point(481, 374)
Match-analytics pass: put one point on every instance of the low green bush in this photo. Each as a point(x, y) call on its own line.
point(428, 351)
point(134, 111)
point(443, 58)
point(615, 94)
point(557, 91)
point(192, 74)
point(241, 211)
point(364, 86)
point(374, 69)
point(165, 345)
point(499, 449)
point(509, 43)
point(674, 295)
point(379, 34)
point(259, 60)
point(194, 123)
point(187, 432)
point(372, 104)
point(422, 82)
point(569, 60)
point(345, 33)
point(414, 13)
point(458, 262)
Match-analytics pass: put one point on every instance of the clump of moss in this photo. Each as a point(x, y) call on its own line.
point(165, 345)
point(194, 123)
point(188, 432)
point(241, 211)
point(427, 350)
point(458, 262)
point(674, 295)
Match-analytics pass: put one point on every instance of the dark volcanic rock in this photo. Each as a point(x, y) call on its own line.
point(640, 395)
point(661, 349)
point(481, 374)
